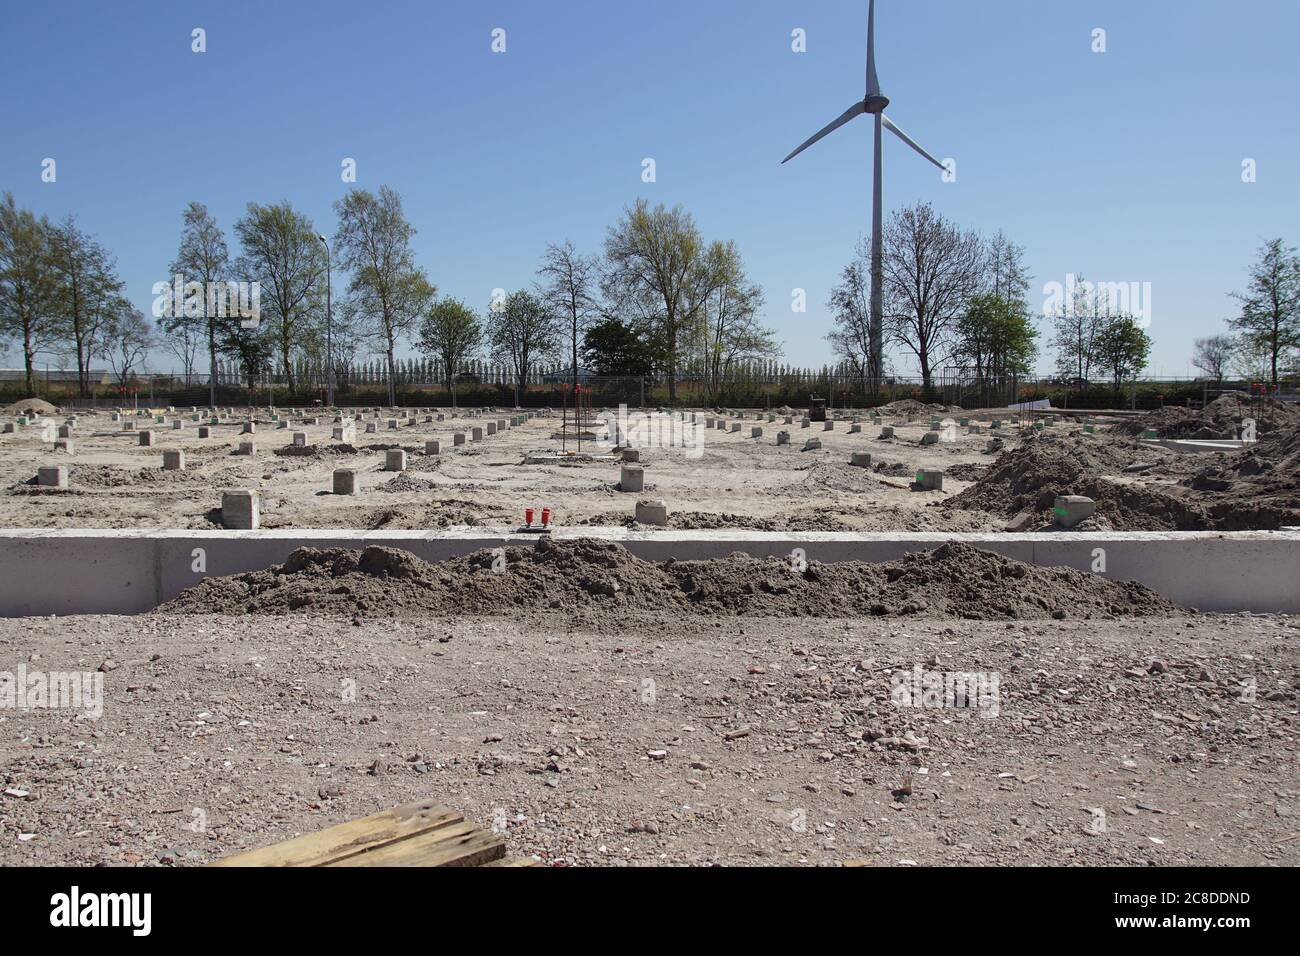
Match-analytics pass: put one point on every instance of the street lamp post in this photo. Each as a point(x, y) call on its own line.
point(329, 327)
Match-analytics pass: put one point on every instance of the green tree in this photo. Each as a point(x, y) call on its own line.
point(1270, 307)
point(450, 333)
point(614, 347)
point(729, 325)
point(388, 291)
point(996, 335)
point(1122, 349)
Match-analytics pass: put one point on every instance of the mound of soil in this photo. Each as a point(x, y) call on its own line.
point(405, 482)
point(590, 579)
point(1258, 488)
point(1028, 479)
point(910, 406)
point(1220, 419)
point(29, 406)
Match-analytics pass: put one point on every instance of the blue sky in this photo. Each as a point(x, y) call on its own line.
point(1122, 166)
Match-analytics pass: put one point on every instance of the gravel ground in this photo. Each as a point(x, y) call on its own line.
point(652, 741)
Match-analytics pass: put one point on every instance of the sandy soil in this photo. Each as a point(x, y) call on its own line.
point(740, 741)
point(737, 481)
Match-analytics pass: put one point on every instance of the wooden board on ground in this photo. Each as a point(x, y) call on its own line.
point(415, 834)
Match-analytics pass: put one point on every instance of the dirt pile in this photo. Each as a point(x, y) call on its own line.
point(590, 579)
point(1258, 488)
point(1028, 479)
point(910, 406)
point(29, 406)
point(1220, 419)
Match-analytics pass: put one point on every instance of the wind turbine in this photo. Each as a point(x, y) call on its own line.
point(874, 103)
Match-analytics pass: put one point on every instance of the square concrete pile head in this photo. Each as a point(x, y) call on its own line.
point(491, 428)
point(247, 448)
point(146, 437)
point(652, 511)
point(855, 428)
point(239, 510)
point(371, 428)
point(458, 439)
point(395, 460)
point(756, 432)
point(65, 431)
point(299, 439)
point(887, 431)
point(860, 459)
point(173, 459)
point(345, 481)
point(433, 448)
point(829, 426)
point(812, 444)
point(631, 455)
point(928, 479)
point(250, 428)
point(476, 433)
point(392, 424)
point(204, 431)
point(805, 422)
point(1070, 510)
point(930, 438)
point(631, 478)
point(783, 438)
point(52, 476)
point(735, 426)
point(64, 445)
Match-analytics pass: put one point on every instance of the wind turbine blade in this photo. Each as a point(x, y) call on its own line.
point(831, 127)
point(909, 141)
point(873, 84)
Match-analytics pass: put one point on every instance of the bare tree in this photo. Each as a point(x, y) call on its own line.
point(283, 254)
point(128, 337)
point(1077, 327)
point(388, 290)
point(931, 270)
point(569, 283)
point(88, 293)
point(28, 291)
point(730, 319)
point(850, 305)
point(520, 331)
point(1213, 355)
point(203, 257)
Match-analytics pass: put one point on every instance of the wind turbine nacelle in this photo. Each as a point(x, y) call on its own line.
point(876, 103)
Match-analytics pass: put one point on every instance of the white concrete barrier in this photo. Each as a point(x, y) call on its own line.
point(61, 571)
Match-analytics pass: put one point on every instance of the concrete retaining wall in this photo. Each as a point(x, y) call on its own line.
point(127, 572)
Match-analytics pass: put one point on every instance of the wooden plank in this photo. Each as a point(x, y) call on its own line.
point(461, 844)
point(519, 861)
point(352, 838)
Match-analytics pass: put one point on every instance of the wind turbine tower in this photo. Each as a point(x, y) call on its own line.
point(873, 103)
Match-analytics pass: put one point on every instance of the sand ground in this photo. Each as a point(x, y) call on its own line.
point(708, 741)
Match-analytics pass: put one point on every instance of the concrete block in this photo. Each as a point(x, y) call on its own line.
point(127, 426)
point(458, 439)
point(1072, 509)
point(631, 478)
point(250, 428)
point(299, 439)
point(805, 423)
point(735, 426)
point(392, 424)
point(783, 438)
point(65, 431)
point(930, 438)
point(247, 448)
point(433, 448)
point(64, 445)
point(855, 428)
point(178, 425)
point(491, 428)
point(52, 476)
point(371, 428)
point(173, 460)
point(789, 419)
point(631, 455)
point(476, 433)
point(345, 481)
point(929, 479)
point(652, 511)
point(812, 444)
point(395, 460)
point(887, 431)
point(205, 431)
point(860, 459)
point(239, 510)
point(8, 428)
point(829, 425)
point(146, 437)
point(756, 432)
point(342, 433)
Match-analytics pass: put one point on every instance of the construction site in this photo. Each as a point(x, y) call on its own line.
point(904, 635)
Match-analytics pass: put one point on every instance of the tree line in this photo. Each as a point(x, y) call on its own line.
point(657, 298)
